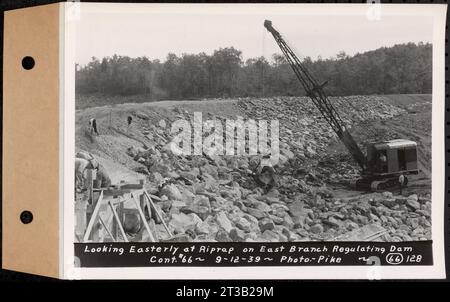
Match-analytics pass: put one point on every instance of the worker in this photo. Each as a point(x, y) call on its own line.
point(93, 126)
point(89, 157)
point(83, 161)
point(401, 181)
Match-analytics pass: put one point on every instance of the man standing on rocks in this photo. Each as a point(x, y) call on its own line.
point(93, 126)
point(129, 120)
point(401, 181)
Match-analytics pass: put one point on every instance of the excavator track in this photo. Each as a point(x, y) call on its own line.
point(377, 185)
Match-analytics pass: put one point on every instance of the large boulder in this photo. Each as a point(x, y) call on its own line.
point(262, 206)
point(266, 224)
point(271, 236)
point(258, 214)
point(413, 202)
point(316, 229)
point(237, 235)
point(223, 222)
point(200, 205)
point(299, 213)
point(181, 223)
point(243, 224)
point(172, 192)
point(209, 169)
point(222, 236)
point(202, 228)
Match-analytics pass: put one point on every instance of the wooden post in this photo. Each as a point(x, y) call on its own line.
point(150, 203)
point(80, 215)
point(114, 223)
point(106, 228)
point(143, 205)
point(93, 219)
point(125, 238)
point(147, 227)
point(91, 174)
point(120, 214)
point(88, 184)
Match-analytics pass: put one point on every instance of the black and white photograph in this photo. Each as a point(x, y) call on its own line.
point(255, 124)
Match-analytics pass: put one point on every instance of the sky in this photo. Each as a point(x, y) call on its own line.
point(152, 31)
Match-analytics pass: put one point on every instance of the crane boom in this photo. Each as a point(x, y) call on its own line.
point(315, 91)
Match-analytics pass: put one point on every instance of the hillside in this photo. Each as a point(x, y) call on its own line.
point(215, 197)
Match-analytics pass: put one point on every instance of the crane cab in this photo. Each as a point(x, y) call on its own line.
point(398, 156)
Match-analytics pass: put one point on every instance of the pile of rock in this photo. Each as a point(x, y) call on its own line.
point(302, 125)
point(215, 198)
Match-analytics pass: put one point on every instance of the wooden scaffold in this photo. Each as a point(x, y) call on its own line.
point(102, 217)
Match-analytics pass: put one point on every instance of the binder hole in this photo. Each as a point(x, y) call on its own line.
point(28, 63)
point(26, 217)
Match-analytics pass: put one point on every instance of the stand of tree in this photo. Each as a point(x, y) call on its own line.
point(404, 68)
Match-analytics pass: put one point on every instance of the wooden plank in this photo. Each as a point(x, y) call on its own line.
point(118, 221)
point(149, 200)
point(153, 196)
point(106, 228)
point(92, 220)
point(90, 176)
point(116, 192)
point(131, 187)
point(148, 206)
point(143, 218)
point(143, 203)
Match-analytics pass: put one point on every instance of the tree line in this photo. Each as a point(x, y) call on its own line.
point(403, 68)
